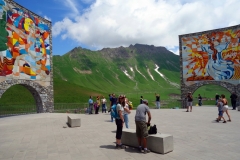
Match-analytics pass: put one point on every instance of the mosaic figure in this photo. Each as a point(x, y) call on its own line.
point(27, 51)
point(211, 56)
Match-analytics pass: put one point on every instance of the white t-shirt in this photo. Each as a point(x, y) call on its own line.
point(104, 100)
point(119, 107)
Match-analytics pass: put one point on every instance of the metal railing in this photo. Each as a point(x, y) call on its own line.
point(10, 110)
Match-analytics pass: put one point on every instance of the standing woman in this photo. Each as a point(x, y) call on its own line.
point(225, 107)
point(126, 112)
point(98, 105)
point(119, 121)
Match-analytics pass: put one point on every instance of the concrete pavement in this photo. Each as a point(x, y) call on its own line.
point(42, 136)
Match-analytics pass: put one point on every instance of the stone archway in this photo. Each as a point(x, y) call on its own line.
point(43, 95)
point(192, 88)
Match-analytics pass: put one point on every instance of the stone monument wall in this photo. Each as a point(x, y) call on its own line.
point(26, 53)
point(210, 57)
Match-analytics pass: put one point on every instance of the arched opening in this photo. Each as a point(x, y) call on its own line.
point(192, 88)
point(17, 100)
point(208, 93)
point(43, 97)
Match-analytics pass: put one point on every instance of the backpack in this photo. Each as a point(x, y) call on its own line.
point(114, 113)
point(152, 129)
point(130, 105)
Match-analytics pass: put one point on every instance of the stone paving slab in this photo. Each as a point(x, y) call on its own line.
point(42, 136)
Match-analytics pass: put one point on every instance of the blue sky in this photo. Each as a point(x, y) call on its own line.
point(97, 24)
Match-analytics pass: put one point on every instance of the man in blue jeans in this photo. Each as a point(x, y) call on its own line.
point(113, 101)
point(90, 105)
point(157, 101)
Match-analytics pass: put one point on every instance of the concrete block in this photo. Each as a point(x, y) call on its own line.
point(129, 137)
point(159, 143)
point(74, 121)
point(238, 108)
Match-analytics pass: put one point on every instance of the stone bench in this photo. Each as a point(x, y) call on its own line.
point(74, 121)
point(159, 143)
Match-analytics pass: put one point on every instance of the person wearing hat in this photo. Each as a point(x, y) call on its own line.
point(120, 121)
point(141, 125)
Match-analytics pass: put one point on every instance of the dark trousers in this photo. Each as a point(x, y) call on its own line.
point(234, 104)
point(96, 111)
point(119, 128)
point(199, 102)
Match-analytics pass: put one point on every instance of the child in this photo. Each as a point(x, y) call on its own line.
point(220, 111)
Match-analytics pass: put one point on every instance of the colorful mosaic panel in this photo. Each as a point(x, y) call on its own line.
point(212, 56)
point(24, 45)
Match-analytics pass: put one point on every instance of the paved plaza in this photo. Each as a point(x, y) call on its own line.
point(42, 136)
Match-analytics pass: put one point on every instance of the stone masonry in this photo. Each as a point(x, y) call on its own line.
point(43, 95)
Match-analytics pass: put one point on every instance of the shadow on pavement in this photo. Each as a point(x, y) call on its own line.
point(127, 149)
point(108, 146)
point(132, 149)
point(108, 121)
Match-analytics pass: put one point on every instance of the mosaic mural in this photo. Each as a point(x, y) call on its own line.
point(24, 45)
point(211, 56)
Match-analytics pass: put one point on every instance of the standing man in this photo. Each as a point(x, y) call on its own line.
point(199, 100)
point(104, 101)
point(113, 101)
point(216, 98)
point(189, 101)
point(110, 100)
point(90, 105)
point(141, 100)
point(157, 101)
point(141, 125)
point(233, 100)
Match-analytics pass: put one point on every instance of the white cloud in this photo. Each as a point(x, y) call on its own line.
point(174, 51)
point(121, 23)
point(72, 4)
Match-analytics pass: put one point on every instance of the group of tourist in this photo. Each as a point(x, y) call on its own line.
point(140, 121)
point(123, 110)
point(96, 105)
point(221, 103)
point(122, 107)
point(233, 98)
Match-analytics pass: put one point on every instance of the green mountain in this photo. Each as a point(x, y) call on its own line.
point(134, 69)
